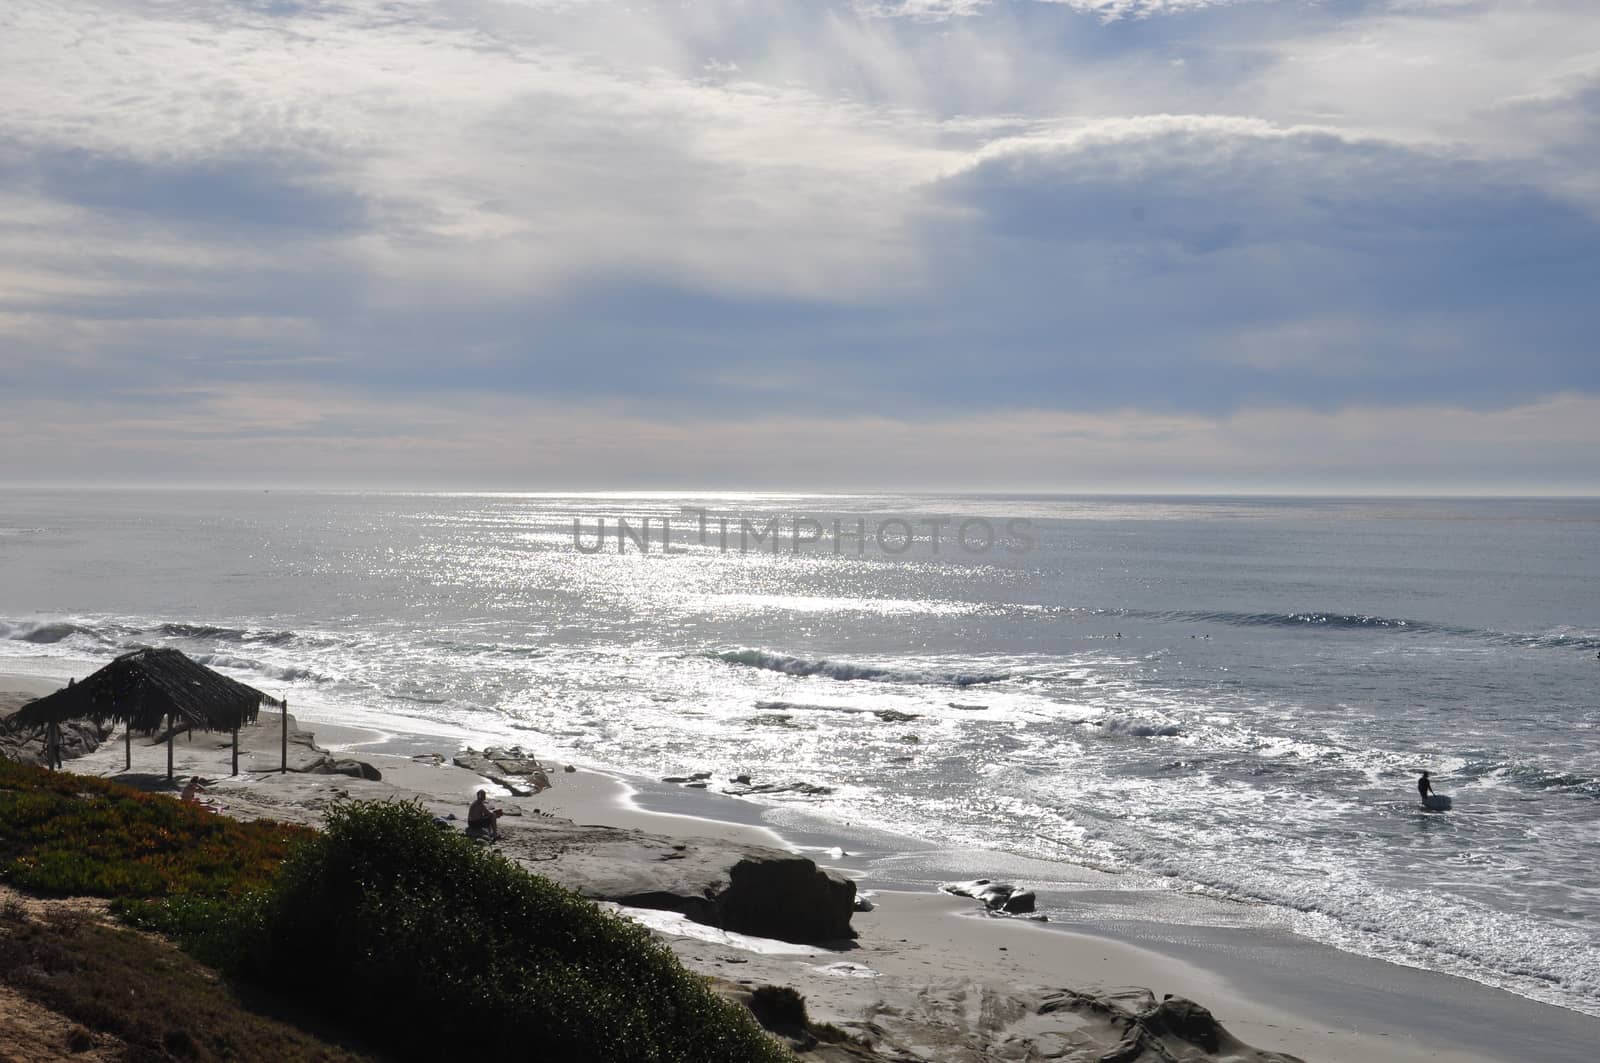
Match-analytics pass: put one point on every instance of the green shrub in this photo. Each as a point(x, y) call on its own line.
point(444, 949)
point(779, 1007)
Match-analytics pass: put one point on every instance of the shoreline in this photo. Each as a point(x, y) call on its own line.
point(1271, 987)
point(1275, 991)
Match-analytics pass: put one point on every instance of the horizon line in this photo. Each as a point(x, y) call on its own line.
point(1218, 492)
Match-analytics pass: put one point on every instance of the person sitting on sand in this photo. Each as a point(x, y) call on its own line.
point(483, 821)
point(192, 791)
point(1424, 787)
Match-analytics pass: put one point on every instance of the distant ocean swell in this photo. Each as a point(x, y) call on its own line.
point(1310, 619)
point(1324, 621)
point(102, 635)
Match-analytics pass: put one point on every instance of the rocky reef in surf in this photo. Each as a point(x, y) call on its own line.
point(745, 786)
point(1001, 898)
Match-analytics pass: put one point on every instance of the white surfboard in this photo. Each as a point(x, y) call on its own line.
point(1436, 803)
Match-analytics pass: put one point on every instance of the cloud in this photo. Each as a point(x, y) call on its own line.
point(282, 436)
point(1187, 245)
point(1444, 73)
point(242, 193)
point(524, 163)
point(665, 215)
point(934, 10)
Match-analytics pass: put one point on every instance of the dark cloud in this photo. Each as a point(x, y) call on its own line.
point(1390, 274)
point(251, 195)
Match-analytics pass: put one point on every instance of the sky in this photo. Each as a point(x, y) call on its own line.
point(1056, 245)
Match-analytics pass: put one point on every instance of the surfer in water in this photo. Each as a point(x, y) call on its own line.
point(1424, 787)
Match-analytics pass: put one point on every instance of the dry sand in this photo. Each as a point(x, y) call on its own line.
point(929, 975)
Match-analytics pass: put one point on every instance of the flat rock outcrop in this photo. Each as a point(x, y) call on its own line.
point(511, 768)
point(356, 769)
point(1170, 1029)
point(883, 1018)
point(308, 758)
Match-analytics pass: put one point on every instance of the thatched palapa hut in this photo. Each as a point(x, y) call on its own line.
point(147, 690)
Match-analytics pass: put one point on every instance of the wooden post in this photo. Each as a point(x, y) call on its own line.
point(127, 746)
point(285, 706)
point(169, 747)
point(236, 749)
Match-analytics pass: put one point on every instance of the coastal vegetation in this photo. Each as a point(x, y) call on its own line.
point(74, 835)
point(144, 1000)
point(385, 926)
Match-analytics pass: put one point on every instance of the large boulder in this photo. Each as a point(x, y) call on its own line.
point(781, 895)
point(747, 889)
point(25, 745)
point(762, 892)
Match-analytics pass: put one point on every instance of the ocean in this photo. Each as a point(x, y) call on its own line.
point(1229, 697)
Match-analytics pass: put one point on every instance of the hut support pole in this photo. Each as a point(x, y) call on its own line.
point(236, 749)
point(169, 747)
point(127, 747)
point(285, 767)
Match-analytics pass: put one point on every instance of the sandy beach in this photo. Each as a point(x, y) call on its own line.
point(929, 975)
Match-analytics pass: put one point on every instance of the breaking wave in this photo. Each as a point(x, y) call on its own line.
point(118, 636)
point(1130, 728)
point(208, 633)
point(847, 670)
point(49, 633)
point(283, 673)
point(1537, 778)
